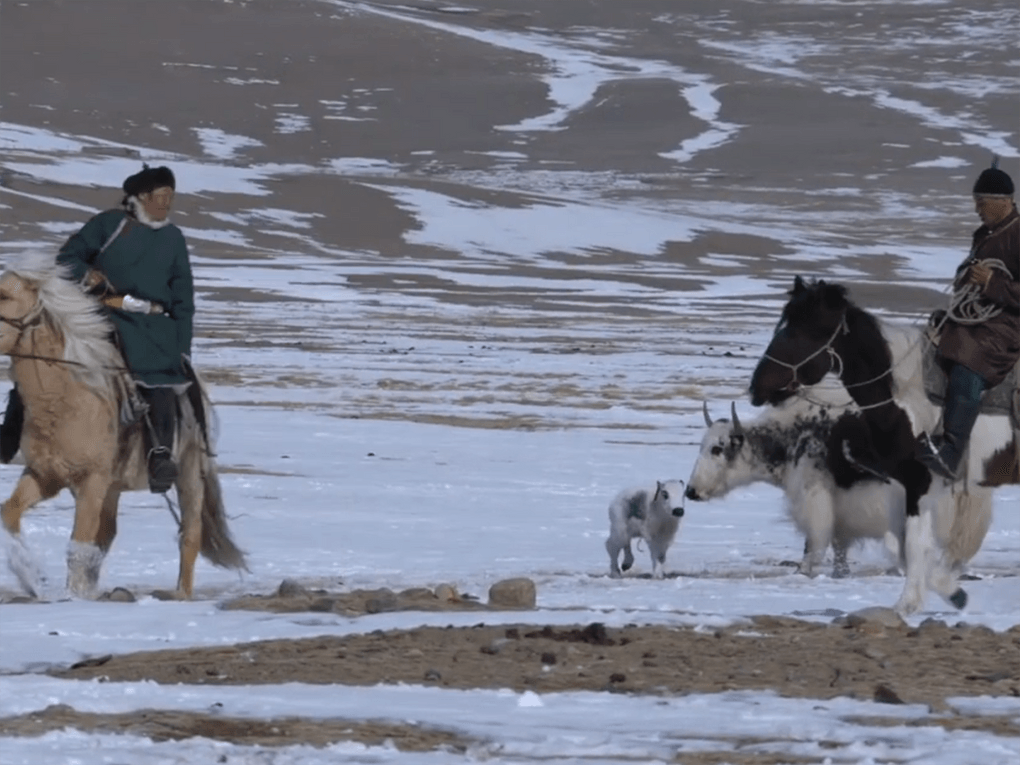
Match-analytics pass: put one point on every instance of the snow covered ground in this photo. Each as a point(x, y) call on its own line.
point(388, 437)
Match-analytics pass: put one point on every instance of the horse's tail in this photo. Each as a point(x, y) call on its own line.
point(218, 545)
point(970, 523)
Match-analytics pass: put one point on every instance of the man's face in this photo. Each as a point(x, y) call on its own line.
point(992, 209)
point(157, 202)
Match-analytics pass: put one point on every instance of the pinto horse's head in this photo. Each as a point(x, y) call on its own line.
point(800, 351)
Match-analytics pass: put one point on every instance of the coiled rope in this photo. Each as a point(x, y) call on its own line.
point(967, 306)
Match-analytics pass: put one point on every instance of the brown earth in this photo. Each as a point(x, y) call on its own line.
point(860, 658)
point(869, 656)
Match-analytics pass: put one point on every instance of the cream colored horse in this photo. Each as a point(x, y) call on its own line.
point(70, 377)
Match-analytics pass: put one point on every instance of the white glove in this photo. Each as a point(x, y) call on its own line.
point(137, 305)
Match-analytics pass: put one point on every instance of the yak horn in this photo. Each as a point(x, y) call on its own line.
point(738, 429)
point(704, 411)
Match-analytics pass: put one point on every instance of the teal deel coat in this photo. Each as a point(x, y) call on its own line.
point(148, 263)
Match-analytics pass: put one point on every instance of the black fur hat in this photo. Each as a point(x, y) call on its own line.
point(994, 182)
point(148, 179)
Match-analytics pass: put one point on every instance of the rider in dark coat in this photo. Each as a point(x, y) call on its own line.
point(136, 262)
point(979, 346)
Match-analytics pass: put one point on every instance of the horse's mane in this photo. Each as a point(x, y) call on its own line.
point(86, 330)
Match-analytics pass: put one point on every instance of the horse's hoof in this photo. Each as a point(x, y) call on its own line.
point(959, 599)
point(26, 569)
point(169, 595)
point(119, 595)
point(906, 607)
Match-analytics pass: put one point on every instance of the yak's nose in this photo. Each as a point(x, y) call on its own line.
point(678, 512)
point(690, 494)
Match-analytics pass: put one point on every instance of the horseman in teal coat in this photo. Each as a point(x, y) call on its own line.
point(136, 263)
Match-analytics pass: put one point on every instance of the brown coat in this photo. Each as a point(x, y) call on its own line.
point(992, 348)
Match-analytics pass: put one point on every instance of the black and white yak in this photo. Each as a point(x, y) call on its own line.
point(785, 446)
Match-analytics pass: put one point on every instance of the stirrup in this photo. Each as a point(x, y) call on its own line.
point(873, 470)
point(931, 457)
point(162, 470)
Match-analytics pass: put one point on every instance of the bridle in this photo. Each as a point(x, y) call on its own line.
point(835, 365)
point(835, 361)
point(30, 319)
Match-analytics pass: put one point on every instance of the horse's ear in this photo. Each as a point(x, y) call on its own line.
point(834, 295)
point(798, 286)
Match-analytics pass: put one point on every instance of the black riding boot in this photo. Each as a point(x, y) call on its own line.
point(10, 430)
point(162, 419)
point(942, 454)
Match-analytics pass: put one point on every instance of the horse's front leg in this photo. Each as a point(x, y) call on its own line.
point(85, 554)
point(29, 491)
point(919, 538)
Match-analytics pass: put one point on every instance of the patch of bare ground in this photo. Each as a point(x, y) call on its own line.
point(876, 657)
point(357, 602)
point(166, 725)
point(795, 658)
point(172, 725)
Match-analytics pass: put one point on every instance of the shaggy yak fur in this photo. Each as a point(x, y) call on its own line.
point(786, 446)
point(651, 514)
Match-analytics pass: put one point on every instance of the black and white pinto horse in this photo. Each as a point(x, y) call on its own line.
point(881, 366)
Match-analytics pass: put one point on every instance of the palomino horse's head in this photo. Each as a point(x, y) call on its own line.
point(37, 292)
point(19, 308)
point(801, 351)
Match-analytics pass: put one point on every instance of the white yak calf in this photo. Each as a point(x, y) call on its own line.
point(786, 447)
point(651, 515)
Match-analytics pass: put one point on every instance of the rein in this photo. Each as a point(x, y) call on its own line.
point(836, 366)
point(963, 309)
point(31, 319)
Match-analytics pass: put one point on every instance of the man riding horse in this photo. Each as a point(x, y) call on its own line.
point(135, 261)
point(980, 337)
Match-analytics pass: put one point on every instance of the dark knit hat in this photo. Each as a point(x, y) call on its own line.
point(148, 179)
point(994, 182)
